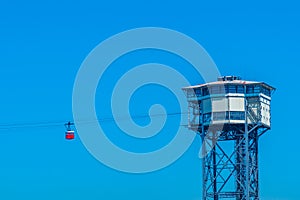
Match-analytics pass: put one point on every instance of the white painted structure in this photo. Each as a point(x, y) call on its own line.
point(229, 100)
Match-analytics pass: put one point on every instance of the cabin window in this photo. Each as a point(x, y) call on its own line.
point(205, 91)
point(197, 92)
point(236, 115)
point(220, 116)
point(207, 117)
point(240, 89)
point(215, 90)
point(266, 91)
point(250, 89)
point(257, 89)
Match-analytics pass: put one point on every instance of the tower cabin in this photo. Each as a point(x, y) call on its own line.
point(227, 101)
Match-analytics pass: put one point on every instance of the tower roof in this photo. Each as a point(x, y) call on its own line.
point(226, 80)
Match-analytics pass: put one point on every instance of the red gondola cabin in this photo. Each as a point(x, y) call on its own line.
point(70, 135)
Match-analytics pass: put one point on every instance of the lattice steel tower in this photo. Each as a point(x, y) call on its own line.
point(230, 115)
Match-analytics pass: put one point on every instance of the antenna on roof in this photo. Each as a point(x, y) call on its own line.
point(229, 78)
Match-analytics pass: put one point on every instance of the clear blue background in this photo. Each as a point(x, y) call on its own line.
point(42, 44)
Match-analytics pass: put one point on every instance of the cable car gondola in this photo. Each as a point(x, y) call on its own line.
point(70, 134)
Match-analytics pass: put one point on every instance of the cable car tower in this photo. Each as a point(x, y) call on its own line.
point(230, 115)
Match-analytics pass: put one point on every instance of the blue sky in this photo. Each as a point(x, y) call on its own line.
point(43, 45)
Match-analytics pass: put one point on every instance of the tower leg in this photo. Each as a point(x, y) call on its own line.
point(247, 167)
point(204, 172)
point(215, 189)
